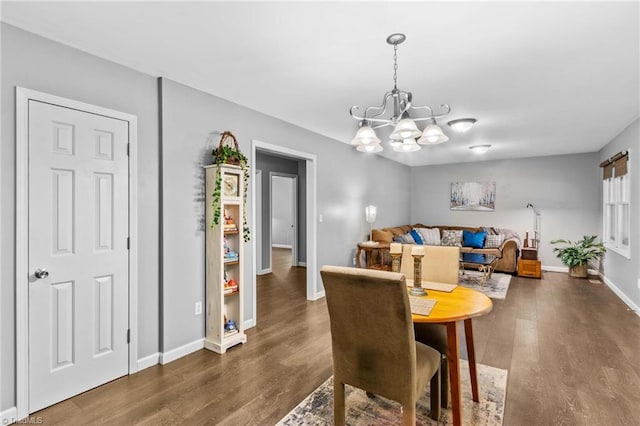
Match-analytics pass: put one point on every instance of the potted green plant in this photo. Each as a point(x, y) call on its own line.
point(230, 154)
point(577, 255)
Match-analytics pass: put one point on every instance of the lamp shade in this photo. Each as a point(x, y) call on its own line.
point(365, 136)
point(432, 135)
point(405, 129)
point(370, 214)
point(374, 147)
point(408, 145)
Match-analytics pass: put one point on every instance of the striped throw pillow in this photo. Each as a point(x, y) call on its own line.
point(430, 236)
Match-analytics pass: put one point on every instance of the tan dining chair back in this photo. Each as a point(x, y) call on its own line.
point(372, 340)
point(440, 264)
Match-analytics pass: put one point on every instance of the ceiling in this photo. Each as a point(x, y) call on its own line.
point(541, 78)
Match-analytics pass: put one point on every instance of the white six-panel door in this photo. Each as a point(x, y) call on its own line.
point(78, 230)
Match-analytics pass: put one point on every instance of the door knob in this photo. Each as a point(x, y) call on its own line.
point(41, 273)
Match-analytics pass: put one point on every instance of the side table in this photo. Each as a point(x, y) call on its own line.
point(373, 254)
point(529, 268)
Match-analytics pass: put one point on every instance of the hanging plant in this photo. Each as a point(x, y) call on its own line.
point(228, 152)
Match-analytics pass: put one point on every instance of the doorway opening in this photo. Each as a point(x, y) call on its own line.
point(284, 225)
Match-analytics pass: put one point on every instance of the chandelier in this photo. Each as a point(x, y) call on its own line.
point(404, 116)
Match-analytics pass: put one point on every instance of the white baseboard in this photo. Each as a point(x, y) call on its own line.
point(302, 264)
point(318, 295)
point(287, 246)
point(8, 416)
point(565, 269)
point(172, 355)
point(621, 295)
point(249, 323)
point(148, 361)
point(264, 271)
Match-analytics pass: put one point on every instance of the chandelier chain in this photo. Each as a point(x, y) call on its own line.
point(395, 66)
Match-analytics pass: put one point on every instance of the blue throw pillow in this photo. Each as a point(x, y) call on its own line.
point(416, 236)
point(474, 240)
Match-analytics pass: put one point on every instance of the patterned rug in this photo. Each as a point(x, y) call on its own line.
point(495, 288)
point(317, 408)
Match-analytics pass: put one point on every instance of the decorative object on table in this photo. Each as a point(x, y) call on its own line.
point(370, 217)
point(317, 408)
point(228, 153)
point(395, 250)
point(577, 255)
point(473, 196)
point(400, 105)
point(417, 290)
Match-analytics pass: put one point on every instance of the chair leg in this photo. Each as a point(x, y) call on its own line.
point(435, 396)
point(444, 383)
point(338, 403)
point(409, 414)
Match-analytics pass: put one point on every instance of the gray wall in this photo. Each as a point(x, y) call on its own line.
point(36, 63)
point(563, 188)
point(623, 272)
point(272, 163)
point(282, 208)
point(346, 181)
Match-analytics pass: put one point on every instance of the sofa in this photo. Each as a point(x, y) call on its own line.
point(505, 242)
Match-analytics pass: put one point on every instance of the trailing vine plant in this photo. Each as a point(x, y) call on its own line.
point(225, 154)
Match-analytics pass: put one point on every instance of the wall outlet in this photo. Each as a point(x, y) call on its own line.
point(354, 261)
point(638, 282)
point(198, 310)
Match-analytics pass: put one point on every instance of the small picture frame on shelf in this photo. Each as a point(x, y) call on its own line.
point(230, 185)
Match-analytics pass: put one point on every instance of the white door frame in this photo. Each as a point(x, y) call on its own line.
point(294, 241)
point(23, 96)
point(311, 160)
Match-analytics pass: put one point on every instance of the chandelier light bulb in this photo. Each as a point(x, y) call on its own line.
point(432, 135)
point(408, 145)
point(365, 136)
point(405, 129)
point(375, 147)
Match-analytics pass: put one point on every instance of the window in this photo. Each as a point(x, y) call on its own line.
point(616, 207)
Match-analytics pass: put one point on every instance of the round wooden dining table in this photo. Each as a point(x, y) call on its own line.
point(461, 304)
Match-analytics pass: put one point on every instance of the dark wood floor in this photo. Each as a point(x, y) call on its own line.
point(572, 349)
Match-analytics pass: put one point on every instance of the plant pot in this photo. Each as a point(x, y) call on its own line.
point(579, 271)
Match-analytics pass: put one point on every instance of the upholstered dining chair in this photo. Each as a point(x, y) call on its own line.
point(372, 341)
point(440, 264)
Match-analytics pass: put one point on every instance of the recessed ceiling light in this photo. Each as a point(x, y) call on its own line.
point(462, 124)
point(480, 149)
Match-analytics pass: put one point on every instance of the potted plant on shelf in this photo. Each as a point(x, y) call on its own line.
point(228, 152)
point(577, 255)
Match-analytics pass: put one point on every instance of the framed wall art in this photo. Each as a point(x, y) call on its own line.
point(473, 196)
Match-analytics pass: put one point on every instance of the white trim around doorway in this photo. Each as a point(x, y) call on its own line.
point(23, 96)
point(311, 204)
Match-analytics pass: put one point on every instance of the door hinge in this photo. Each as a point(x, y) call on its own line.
point(129, 336)
point(128, 243)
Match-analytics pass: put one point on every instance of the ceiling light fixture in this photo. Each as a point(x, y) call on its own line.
point(480, 149)
point(462, 125)
point(404, 126)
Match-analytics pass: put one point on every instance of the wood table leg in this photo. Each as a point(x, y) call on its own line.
point(471, 353)
point(453, 356)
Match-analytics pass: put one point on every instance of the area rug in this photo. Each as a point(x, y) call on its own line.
point(317, 408)
point(496, 287)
